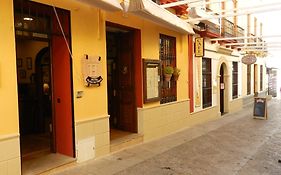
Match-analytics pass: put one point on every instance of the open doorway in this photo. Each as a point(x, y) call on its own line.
point(222, 89)
point(44, 87)
point(121, 53)
point(34, 93)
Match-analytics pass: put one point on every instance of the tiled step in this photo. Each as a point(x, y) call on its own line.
point(125, 141)
point(44, 164)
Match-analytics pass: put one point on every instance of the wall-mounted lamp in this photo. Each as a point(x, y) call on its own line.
point(28, 18)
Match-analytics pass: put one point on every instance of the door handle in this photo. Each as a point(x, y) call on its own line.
point(58, 100)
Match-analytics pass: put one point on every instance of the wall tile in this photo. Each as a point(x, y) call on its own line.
point(4, 168)
point(101, 125)
point(9, 149)
point(102, 139)
point(14, 167)
point(101, 151)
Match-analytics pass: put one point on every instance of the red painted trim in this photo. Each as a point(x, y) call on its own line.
point(190, 68)
point(138, 69)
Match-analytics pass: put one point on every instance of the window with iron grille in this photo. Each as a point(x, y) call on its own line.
point(234, 80)
point(168, 58)
point(248, 79)
point(261, 78)
point(207, 82)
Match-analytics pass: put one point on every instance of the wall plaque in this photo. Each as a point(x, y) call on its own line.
point(199, 47)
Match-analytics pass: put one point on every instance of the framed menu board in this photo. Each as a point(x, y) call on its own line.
point(260, 108)
point(151, 80)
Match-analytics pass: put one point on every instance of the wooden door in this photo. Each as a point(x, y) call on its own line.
point(222, 86)
point(62, 89)
point(126, 90)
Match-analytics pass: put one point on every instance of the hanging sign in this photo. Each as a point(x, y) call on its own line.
point(249, 59)
point(199, 47)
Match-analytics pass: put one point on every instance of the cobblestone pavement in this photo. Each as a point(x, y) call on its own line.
point(236, 144)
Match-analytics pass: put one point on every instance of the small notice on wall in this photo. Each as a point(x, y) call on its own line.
point(152, 74)
point(91, 67)
point(151, 71)
point(260, 108)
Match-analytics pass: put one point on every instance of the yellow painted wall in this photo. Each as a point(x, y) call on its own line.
point(235, 105)
point(204, 115)
point(8, 82)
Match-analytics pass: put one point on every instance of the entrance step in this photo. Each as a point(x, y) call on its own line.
point(44, 164)
point(125, 141)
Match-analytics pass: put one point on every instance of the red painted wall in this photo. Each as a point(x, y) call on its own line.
point(190, 74)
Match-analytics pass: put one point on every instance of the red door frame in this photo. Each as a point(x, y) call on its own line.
point(190, 72)
point(138, 69)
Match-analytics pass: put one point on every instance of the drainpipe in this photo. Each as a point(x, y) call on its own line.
point(190, 74)
point(248, 26)
point(235, 18)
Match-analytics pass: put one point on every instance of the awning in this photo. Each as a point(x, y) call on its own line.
point(199, 13)
point(108, 5)
point(151, 11)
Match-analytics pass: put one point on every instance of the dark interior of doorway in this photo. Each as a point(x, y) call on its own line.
point(222, 87)
point(121, 83)
point(35, 103)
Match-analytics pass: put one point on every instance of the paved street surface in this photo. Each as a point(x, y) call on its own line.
point(236, 144)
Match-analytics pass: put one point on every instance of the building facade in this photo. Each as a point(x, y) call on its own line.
point(73, 74)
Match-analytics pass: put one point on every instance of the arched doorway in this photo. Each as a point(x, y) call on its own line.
point(223, 89)
point(44, 92)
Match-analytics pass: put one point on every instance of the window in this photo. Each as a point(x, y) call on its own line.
point(234, 80)
point(168, 58)
point(207, 82)
point(248, 79)
point(261, 78)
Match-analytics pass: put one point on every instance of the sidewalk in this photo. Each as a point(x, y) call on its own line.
point(234, 144)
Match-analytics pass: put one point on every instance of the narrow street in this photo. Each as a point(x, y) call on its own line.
point(234, 144)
